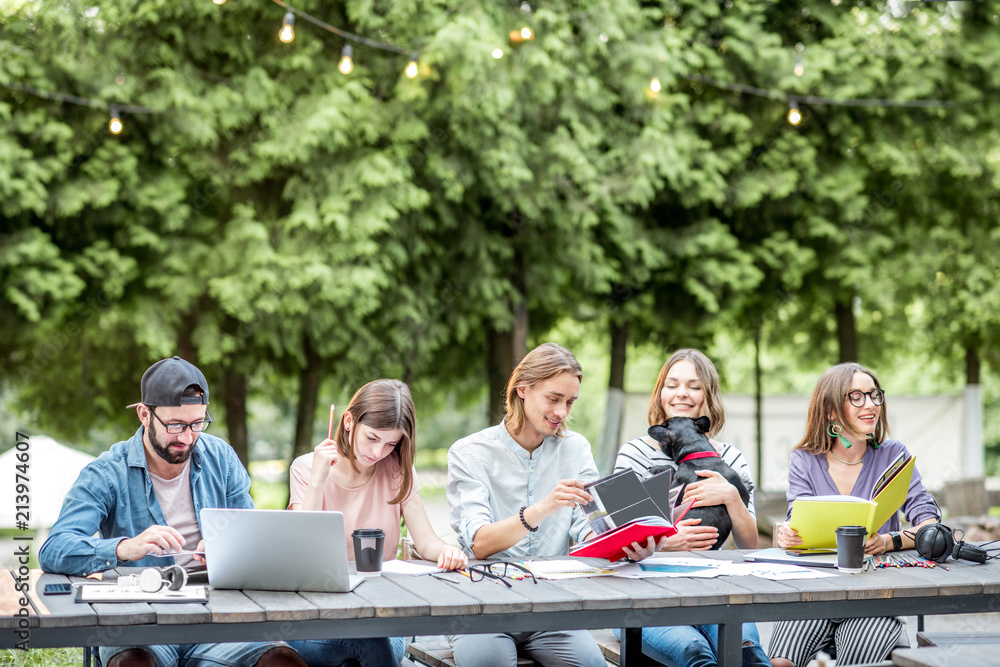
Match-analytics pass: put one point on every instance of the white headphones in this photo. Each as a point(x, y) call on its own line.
point(154, 579)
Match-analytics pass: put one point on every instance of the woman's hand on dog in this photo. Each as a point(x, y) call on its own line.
point(691, 537)
point(712, 489)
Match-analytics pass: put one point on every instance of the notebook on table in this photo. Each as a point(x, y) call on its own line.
point(276, 550)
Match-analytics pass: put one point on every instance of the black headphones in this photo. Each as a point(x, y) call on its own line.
point(936, 542)
point(153, 579)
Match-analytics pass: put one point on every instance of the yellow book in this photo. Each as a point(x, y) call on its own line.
point(817, 519)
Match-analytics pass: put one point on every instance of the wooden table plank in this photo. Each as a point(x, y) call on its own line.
point(907, 582)
point(389, 600)
point(14, 614)
point(60, 611)
point(233, 607)
point(966, 572)
point(283, 605)
point(339, 605)
point(766, 590)
point(593, 594)
point(181, 613)
point(819, 590)
point(447, 599)
point(490, 597)
point(124, 613)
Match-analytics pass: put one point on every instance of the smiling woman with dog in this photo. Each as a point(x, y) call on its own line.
point(688, 386)
point(844, 450)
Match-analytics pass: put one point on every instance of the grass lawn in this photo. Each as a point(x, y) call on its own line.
point(41, 657)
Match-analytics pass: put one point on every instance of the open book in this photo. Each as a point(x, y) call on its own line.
point(626, 509)
point(817, 518)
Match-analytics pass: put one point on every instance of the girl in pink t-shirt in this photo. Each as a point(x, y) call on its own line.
point(367, 473)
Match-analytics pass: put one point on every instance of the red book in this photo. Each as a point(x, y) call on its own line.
point(609, 543)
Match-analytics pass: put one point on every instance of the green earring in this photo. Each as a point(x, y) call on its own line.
point(835, 430)
point(875, 443)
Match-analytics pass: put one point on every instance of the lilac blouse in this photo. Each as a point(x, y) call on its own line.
point(808, 475)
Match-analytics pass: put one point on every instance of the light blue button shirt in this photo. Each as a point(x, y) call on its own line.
point(113, 499)
point(490, 477)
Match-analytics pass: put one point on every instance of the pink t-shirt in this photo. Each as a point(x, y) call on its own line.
point(364, 507)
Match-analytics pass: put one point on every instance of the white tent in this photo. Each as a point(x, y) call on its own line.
point(52, 470)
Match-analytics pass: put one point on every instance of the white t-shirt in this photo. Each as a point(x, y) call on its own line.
point(640, 455)
point(178, 508)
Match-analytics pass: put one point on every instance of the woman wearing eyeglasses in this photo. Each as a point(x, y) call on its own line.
point(366, 472)
point(843, 452)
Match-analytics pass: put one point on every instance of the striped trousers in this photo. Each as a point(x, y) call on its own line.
point(854, 641)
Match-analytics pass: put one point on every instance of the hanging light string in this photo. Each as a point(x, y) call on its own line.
point(343, 33)
point(814, 99)
point(82, 101)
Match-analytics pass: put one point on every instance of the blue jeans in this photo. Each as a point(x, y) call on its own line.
point(332, 652)
point(553, 648)
point(398, 648)
point(697, 645)
point(231, 654)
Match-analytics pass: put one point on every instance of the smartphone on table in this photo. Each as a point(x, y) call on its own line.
point(58, 589)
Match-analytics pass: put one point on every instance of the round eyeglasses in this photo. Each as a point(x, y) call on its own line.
point(857, 397)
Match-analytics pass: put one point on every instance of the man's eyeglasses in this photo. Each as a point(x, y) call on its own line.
point(857, 398)
point(499, 571)
point(175, 428)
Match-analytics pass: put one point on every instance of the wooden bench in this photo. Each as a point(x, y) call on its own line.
point(956, 638)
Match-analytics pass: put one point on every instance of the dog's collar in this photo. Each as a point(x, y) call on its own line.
point(700, 455)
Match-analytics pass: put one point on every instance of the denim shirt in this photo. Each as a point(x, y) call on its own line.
point(491, 476)
point(114, 498)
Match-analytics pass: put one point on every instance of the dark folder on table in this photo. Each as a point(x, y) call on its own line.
point(626, 509)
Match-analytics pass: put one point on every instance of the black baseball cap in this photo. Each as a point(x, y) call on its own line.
point(165, 381)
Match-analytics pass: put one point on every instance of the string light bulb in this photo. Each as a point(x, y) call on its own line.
point(526, 33)
point(287, 32)
point(654, 85)
point(115, 124)
point(498, 53)
point(219, 2)
point(411, 68)
point(799, 66)
point(346, 65)
point(794, 115)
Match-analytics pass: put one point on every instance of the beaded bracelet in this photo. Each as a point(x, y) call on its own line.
point(525, 523)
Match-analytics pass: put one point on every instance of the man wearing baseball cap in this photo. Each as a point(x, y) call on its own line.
point(142, 497)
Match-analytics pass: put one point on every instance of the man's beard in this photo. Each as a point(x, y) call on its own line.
point(164, 451)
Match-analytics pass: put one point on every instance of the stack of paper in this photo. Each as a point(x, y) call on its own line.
point(564, 569)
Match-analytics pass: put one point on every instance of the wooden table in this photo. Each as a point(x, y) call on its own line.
point(393, 605)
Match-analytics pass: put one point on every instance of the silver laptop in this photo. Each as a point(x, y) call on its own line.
point(276, 550)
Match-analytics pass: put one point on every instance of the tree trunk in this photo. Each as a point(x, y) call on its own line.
point(500, 362)
point(972, 365)
point(504, 350)
point(309, 378)
point(186, 349)
point(519, 337)
point(236, 412)
point(615, 409)
point(847, 333)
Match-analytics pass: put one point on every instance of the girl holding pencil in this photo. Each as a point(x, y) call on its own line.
point(366, 472)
